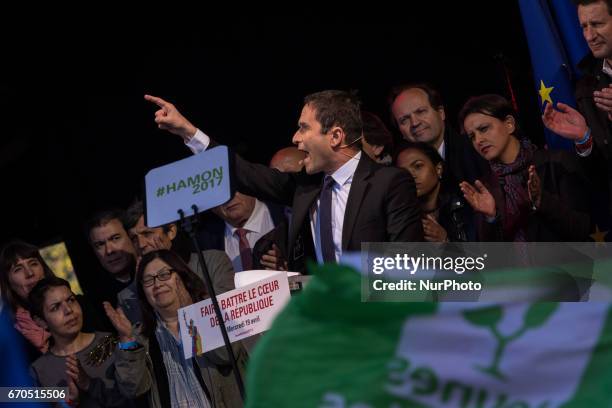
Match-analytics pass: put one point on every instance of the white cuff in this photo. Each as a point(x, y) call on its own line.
point(198, 142)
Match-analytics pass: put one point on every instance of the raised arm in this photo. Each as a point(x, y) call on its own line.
point(169, 118)
point(251, 178)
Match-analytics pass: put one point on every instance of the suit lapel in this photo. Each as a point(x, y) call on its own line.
point(306, 195)
point(359, 187)
point(303, 201)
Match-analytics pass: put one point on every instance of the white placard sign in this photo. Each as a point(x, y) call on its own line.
point(247, 311)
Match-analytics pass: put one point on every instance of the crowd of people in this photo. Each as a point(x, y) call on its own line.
point(346, 180)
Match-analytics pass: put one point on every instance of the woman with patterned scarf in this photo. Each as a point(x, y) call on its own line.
point(532, 195)
point(156, 366)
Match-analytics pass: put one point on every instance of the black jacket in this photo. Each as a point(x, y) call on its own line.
point(278, 236)
point(381, 207)
point(563, 212)
point(456, 217)
point(597, 165)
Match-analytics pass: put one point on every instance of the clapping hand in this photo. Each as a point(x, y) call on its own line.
point(565, 121)
point(479, 198)
point(603, 100)
point(77, 378)
point(120, 321)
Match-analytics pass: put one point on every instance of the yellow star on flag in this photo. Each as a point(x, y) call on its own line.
point(545, 93)
point(599, 236)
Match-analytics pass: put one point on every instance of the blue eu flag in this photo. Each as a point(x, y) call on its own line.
point(556, 45)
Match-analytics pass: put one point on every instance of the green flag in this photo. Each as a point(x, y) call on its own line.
point(328, 349)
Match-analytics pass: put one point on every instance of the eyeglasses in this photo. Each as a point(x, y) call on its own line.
point(163, 275)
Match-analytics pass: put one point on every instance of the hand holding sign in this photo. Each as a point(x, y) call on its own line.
point(170, 119)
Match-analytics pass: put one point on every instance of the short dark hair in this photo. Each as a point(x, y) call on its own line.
point(102, 218)
point(133, 214)
point(37, 294)
point(376, 133)
point(491, 105)
point(425, 148)
point(338, 108)
point(192, 282)
point(588, 2)
point(12, 252)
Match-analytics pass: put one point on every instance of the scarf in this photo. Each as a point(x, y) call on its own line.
point(513, 180)
point(183, 385)
point(35, 334)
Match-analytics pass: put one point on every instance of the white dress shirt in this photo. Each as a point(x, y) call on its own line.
point(442, 150)
point(259, 223)
point(343, 178)
point(606, 68)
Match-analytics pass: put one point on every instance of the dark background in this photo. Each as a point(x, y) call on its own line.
point(77, 135)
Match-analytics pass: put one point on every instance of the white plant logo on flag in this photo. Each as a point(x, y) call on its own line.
point(489, 318)
point(475, 355)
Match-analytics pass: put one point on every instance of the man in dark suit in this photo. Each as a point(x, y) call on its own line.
point(116, 253)
point(221, 226)
point(340, 199)
point(590, 127)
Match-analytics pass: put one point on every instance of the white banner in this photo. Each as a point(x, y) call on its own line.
point(246, 311)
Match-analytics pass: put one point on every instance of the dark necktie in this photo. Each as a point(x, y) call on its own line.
point(246, 255)
point(325, 218)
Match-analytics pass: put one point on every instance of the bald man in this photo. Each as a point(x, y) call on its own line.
point(288, 160)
